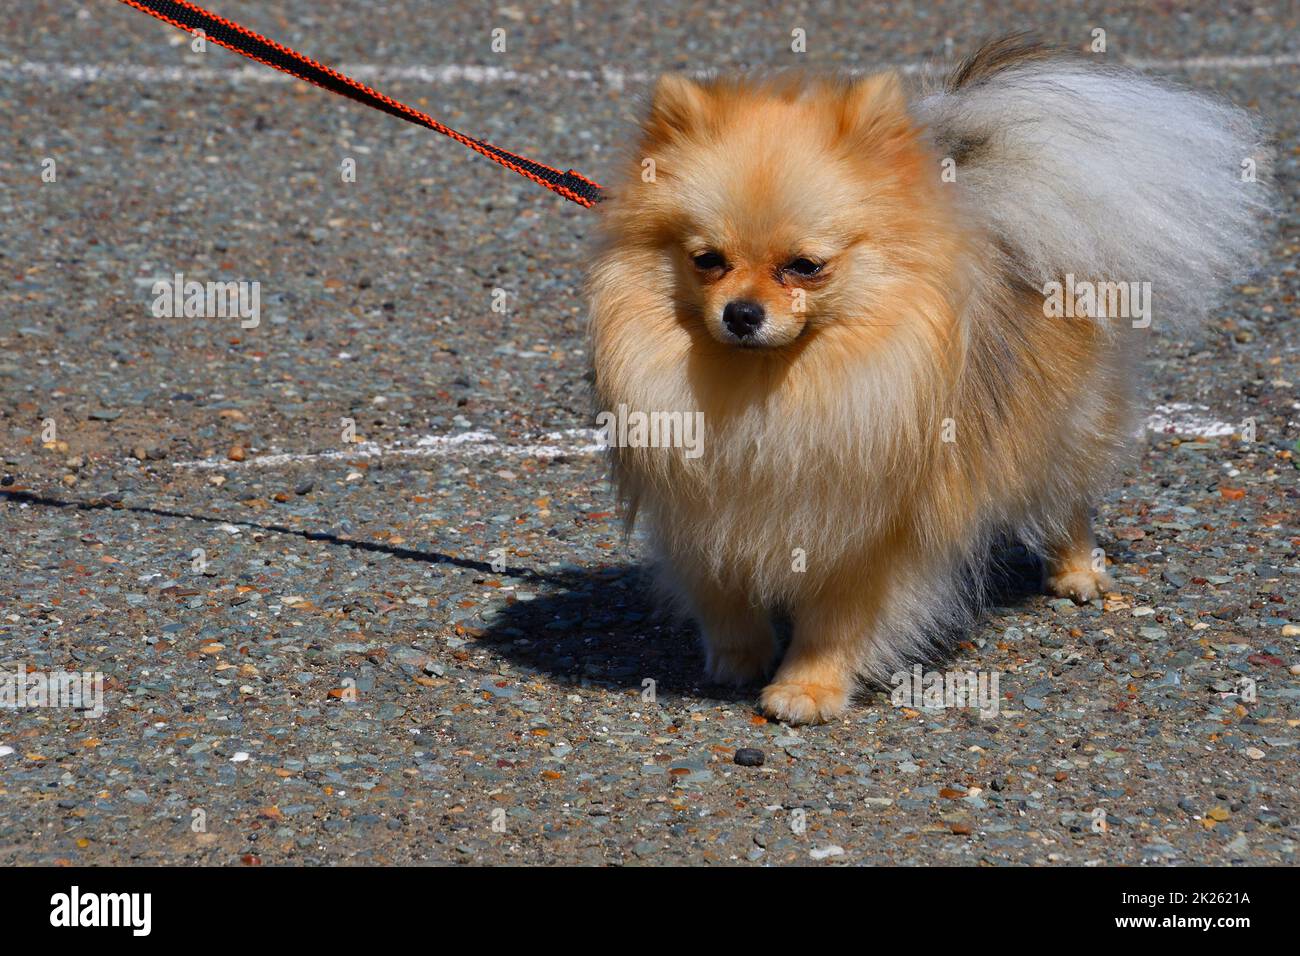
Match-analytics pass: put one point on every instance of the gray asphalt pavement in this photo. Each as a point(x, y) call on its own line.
point(433, 643)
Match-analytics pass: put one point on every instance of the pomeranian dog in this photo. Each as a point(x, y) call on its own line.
point(910, 323)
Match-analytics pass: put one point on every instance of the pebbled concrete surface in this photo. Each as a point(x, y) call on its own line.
point(424, 646)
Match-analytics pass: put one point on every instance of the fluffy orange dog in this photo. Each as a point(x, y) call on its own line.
point(862, 293)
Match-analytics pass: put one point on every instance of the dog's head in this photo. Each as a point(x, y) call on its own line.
point(784, 206)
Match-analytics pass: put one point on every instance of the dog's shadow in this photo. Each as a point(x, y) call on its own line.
point(603, 626)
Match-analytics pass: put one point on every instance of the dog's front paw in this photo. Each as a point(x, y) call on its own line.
point(1081, 586)
point(797, 703)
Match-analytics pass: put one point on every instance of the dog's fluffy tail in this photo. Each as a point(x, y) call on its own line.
point(1081, 169)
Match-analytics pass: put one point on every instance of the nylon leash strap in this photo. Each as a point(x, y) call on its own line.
point(191, 18)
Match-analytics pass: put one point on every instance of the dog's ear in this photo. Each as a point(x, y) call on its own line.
point(873, 111)
point(678, 106)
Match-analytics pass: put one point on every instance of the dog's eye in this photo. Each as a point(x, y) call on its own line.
point(707, 261)
point(803, 267)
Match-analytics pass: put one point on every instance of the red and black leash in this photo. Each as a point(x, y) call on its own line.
point(190, 18)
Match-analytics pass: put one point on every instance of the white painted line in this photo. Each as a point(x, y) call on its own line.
point(450, 74)
point(576, 441)
point(1176, 419)
point(1188, 421)
point(1259, 62)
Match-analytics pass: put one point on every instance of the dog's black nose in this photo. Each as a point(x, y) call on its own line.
point(742, 318)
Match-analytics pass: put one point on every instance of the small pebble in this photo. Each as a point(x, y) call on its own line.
point(825, 852)
point(749, 757)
